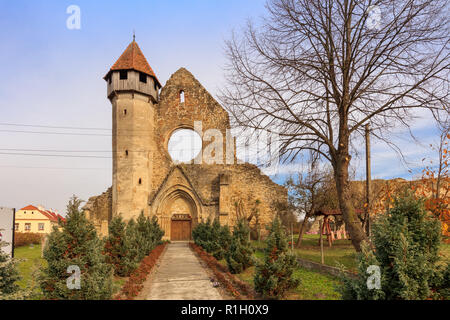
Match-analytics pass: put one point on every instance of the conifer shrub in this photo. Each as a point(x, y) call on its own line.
point(118, 248)
point(274, 275)
point(156, 232)
point(239, 255)
point(77, 244)
point(9, 274)
point(406, 243)
point(142, 235)
point(202, 233)
point(213, 238)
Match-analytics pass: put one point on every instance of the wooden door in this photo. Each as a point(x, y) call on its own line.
point(181, 230)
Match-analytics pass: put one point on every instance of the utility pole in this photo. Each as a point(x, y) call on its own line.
point(321, 241)
point(368, 181)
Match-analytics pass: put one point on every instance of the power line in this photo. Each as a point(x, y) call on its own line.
point(53, 127)
point(53, 168)
point(53, 150)
point(79, 134)
point(65, 127)
point(57, 133)
point(93, 151)
point(52, 155)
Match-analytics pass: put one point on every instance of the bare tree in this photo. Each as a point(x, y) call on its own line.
point(316, 71)
point(311, 192)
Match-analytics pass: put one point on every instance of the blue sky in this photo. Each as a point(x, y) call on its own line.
point(52, 76)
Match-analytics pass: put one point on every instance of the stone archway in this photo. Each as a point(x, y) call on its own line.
point(178, 214)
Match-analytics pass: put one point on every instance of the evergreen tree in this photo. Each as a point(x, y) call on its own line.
point(239, 255)
point(134, 241)
point(406, 243)
point(213, 238)
point(117, 248)
point(144, 230)
point(76, 245)
point(202, 233)
point(274, 276)
point(9, 274)
point(156, 232)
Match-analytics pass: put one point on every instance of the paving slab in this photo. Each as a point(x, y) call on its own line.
point(180, 276)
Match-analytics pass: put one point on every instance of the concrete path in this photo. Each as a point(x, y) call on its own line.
point(180, 276)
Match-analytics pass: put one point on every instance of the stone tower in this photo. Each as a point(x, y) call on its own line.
point(133, 91)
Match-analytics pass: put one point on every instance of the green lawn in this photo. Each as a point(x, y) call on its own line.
point(445, 252)
point(341, 252)
point(313, 285)
point(29, 260)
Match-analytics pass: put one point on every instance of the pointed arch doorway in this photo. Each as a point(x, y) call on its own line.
point(178, 213)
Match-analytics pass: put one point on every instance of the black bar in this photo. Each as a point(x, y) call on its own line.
point(13, 232)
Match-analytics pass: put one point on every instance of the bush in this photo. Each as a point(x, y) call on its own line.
point(8, 274)
point(77, 244)
point(27, 238)
point(239, 255)
point(406, 242)
point(274, 277)
point(201, 233)
point(117, 249)
point(213, 238)
point(144, 235)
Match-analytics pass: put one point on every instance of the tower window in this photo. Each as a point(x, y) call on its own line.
point(142, 77)
point(126, 153)
point(140, 181)
point(123, 75)
point(181, 96)
point(125, 111)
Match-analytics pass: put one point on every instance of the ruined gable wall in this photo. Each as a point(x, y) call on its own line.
point(172, 114)
point(98, 210)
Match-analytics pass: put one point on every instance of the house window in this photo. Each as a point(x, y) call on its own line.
point(123, 75)
point(16, 227)
point(142, 77)
point(41, 227)
point(27, 226)
point(181, 96)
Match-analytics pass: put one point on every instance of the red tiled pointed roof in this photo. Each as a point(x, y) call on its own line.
point(133, 59)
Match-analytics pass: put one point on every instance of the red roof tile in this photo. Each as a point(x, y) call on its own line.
point(133, 59)
point(30, 207)
point(47, 213)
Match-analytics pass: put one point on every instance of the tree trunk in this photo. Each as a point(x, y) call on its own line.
point(344, 197)
point(302, 228)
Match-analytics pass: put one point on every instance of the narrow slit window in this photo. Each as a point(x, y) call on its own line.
point(123, 75)
point(126, 153)
point(140, 181)
point(181, 96)
point(125, 112)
